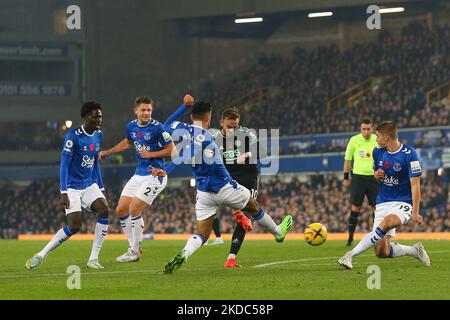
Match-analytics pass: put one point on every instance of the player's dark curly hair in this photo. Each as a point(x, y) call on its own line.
point(90, 106)
point(199, 108)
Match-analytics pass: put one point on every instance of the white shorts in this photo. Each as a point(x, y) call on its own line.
point(145, 188)
point(403, 210)
point(208, 202)
point(83, 198)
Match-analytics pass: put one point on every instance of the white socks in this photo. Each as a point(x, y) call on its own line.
point(369, 240)
point(398, 250)
point(101, 228)
point(266, 221)
point(137, 231)
point(194, 242)
point(61, 236)
point(125, 223)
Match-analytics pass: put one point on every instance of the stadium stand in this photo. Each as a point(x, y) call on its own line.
point(34, 210)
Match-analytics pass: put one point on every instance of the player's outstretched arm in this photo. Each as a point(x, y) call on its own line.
point(121, 146)
point(187, 102)
point(415, 190)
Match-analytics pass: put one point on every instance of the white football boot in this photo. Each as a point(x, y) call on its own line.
point(129, 256)
point(94, 264)
point(346, 261)
point(422, 255)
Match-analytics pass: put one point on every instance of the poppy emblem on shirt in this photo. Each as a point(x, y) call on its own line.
point(92, 147)
point(387, 164)
point(368, 155)
point(139, 135)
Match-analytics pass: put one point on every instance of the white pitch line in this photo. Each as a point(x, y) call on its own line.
point(100, 273)
point(291, 261)
point(324, 258)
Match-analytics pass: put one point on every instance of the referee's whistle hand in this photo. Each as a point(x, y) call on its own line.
point(346, 183)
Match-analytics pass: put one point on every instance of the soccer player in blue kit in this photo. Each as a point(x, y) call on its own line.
point(398, 169)
point(215, 187)
point(81, 184)
point(152, 144)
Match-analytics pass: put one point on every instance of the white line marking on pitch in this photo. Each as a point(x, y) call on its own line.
point(324, 258)
point(100, 273)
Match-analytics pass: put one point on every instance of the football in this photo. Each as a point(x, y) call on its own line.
point(315, 234)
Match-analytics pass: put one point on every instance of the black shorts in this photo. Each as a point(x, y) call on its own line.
point(251, 183)
point(363, 186)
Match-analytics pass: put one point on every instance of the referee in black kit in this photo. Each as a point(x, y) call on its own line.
point(360, 150)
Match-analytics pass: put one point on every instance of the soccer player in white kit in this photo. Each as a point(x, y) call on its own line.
point(398, 169)
point(152, 144)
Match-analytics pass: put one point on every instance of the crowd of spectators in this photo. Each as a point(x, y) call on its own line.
point(299, 87)
point(35, 209)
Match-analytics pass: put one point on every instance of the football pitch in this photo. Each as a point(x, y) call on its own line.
point(291, 270)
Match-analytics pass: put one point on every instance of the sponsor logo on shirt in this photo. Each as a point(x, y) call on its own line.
point(140, 147)
point(88, 162)
point(390, 181)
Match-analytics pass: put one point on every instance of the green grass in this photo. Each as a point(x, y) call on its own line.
point(314, 276)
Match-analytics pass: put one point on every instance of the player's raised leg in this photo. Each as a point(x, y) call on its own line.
point(100, 206)
point(74, 225)
point(266, 221)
